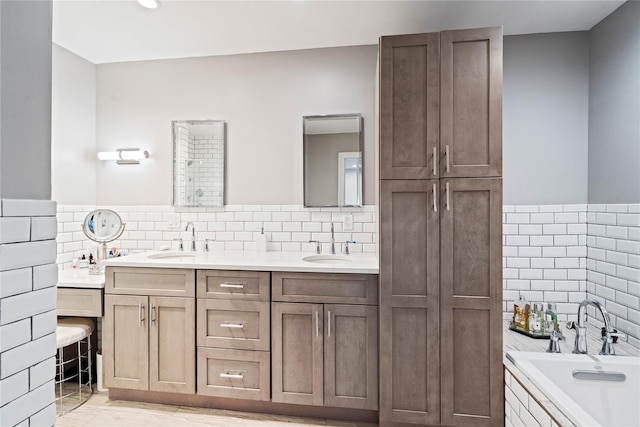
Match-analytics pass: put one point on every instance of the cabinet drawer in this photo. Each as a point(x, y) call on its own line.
point(237, 374)
point(241, 285)
point(150, 281)
point(325, 288)
point(233, 324)
point(79, 302)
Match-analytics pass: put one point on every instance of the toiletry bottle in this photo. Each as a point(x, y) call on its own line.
point(550, 318)
point(261, 241)
point(519, 314)
point(536, 317)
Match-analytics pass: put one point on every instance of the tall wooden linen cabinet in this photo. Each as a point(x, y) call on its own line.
point(441, 229)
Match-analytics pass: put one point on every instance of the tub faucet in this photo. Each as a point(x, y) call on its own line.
point(580, 346)
point(193, 234)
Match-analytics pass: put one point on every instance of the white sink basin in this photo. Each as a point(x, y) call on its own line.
point(170, 255)
point(326, 259)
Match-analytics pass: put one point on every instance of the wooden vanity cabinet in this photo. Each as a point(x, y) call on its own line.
point(233, 334)
point(149, 339)
point(324, 347)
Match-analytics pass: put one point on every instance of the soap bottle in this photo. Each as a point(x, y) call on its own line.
point(261, 241)
point(520, 314)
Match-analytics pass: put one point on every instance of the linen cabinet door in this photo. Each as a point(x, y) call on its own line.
point(409, 303)
point(471, 103)
point(296, 351)
point(351, 356)
point(126, 342)
point(471, 302)
point(409, 106)
point(172, 345)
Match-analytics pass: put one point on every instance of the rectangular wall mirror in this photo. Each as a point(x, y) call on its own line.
point(198, 163)
point(333, 147)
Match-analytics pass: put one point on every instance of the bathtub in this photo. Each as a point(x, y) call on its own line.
point(590, 390)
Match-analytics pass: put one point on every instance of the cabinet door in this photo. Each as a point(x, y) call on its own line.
point(409, 106)
point(471, 302)
point(172, 345)
point(471, 103)
point(351, 356)
point(125, 342)
point(296, 351)
point(409, 303)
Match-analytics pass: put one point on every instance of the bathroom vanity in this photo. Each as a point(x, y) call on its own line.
point(240, 330)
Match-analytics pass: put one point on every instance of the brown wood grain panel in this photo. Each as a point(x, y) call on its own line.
point(172, 354)
point(241, 285)
point(216, 368)
point(325, 288)
point(216, 318)
point(351, 356)
point(297, 353)
point(125, 342)
point(471, 102)
point(409, 106)
point(176, 282)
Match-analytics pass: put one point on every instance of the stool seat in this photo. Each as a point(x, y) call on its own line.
point(71, 330)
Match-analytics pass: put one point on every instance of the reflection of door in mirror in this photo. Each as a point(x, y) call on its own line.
point(198, 162)
point(333, 160)
point(349, 175)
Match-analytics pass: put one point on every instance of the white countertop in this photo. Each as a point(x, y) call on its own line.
point(80, 278)
point(249, 260)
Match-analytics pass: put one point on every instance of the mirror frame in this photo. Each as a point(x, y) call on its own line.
point(360, 149)
point(105, 239)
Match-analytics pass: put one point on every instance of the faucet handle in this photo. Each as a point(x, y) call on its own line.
point(346, 246)
point(206, 244)
point(554, 341)
point(181, 246)
point(571, 325)
point(317, 242)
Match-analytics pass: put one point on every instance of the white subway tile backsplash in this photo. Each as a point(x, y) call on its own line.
point(28, 208)
point(15, 334)
point(14, 282)
point(14, 230)
point(25, 305)
point(14, 386)
point(42, 373)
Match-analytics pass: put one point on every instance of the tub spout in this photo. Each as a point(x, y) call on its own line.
point(580, 345)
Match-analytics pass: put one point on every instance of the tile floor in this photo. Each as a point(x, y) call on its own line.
point(99, 411)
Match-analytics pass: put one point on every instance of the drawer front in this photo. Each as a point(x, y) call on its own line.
point(79, 302)
point(233, 324)
point(240, 285)
point(170, 282)
point(239, 374)
point(325, 288)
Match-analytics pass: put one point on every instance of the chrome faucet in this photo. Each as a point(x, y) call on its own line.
point(333, 241)
point(193, 234)
point(580, 346)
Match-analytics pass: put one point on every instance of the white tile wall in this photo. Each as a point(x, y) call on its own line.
point(234, 227)
point(28, 274)
point(544, 256)
point(521, 408)
point(613, 265)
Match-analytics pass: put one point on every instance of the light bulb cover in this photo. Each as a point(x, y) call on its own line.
point(149, 4)
point(124, 156)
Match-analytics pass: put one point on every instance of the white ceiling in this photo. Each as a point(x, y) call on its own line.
point(121, 30)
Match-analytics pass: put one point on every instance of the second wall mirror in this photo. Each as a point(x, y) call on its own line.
point(333, 147)
point(198, 163)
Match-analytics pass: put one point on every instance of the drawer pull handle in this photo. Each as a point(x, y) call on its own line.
point(232, 325)
point(435, 201)
point(435, 159)
point(234, 376)
point(140, 314)
point(446, 155)
point(232, 285)
point(447, 189)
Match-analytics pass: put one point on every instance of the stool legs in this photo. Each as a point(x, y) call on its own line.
point(66, 399)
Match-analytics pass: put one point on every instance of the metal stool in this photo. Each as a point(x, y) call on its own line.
point(73, 374)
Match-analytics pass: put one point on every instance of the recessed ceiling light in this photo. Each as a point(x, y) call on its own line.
point(149, 4)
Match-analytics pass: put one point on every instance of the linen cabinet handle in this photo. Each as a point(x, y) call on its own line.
point(317, 325)
point(435, 199)
point(232, 285)
point(140, 313)
point(152, 313)
point(435, 161)
point(232, 325)
point(446, 156)
point(329, 321)
point(234, 376)
point(447, 190)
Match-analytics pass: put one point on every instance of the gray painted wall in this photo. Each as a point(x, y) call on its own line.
point(545, 118)
point(614, 107)
point(25, 99)
point(73, 129)
point(262, 97)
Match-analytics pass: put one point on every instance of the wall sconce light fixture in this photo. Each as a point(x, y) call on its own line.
point(124, 156)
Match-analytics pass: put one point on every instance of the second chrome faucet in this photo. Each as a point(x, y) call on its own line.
point(193, 234)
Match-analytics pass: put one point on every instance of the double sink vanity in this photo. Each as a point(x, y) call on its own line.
point(280, 332)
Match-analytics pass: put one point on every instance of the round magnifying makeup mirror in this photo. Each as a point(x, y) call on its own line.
point(102, 226)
